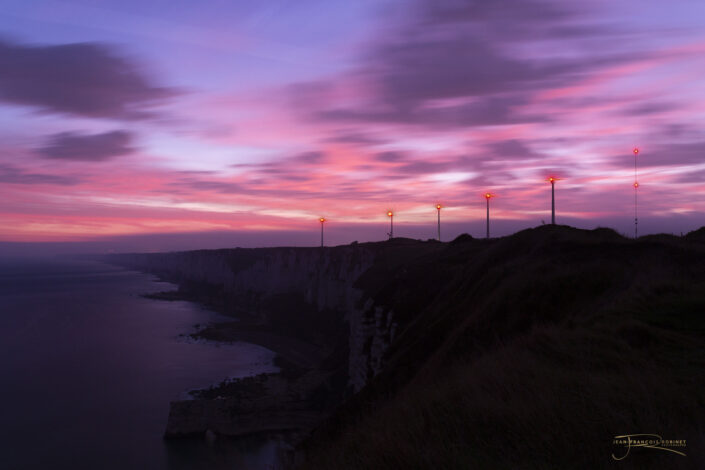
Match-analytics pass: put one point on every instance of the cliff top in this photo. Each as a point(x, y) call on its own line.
point(537, 348)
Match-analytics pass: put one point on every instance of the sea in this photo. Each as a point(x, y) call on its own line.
point(88, 367)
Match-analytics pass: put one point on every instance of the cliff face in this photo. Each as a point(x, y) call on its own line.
point(281, 287)
point(552, 331)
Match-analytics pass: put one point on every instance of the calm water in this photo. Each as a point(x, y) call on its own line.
point(88, 367)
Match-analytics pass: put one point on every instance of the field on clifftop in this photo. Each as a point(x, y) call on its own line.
point(532, 351)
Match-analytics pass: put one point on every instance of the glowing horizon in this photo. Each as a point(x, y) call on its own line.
point(125, 119)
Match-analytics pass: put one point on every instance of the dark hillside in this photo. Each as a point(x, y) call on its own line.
point(532, 351)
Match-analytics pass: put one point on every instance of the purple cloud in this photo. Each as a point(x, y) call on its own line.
point(13, 175)
point(458, 63)
point(83, 79)
point(484, 111)
point(511, 149)
point(271, 187)
point(428, 166)
point(425, 167)
point(388, 157)
point(653, 107)
point(223, 187)
point(665, 155)
point(87, 147)
point(353, 137)
point(694, 177)
point(309, 157)
point(533, 13)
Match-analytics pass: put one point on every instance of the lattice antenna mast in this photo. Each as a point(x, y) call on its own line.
point(636, 187)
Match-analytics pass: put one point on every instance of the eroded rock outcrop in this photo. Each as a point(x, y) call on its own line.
point(266, 283)
point(263, 403)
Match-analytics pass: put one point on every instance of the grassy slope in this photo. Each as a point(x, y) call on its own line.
point(533, 351)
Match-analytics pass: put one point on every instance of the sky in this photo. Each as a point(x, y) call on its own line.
point(157, 125)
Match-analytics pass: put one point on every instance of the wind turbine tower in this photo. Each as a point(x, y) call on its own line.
point(322, 220)
point(488, 196)
point(390, 214)
point(553, 180)
point(438, 208)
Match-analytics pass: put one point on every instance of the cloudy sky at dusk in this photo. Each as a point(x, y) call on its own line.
point(122, 120)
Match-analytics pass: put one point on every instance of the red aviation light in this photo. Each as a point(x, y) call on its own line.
point(438, 206)
point(390, 213)
point(636, 185)
point(636, 151)
point(322, 219)
point(488, 195)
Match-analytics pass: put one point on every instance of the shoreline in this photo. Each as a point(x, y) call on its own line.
point(272, 403)
point(295, 352)
point(288, 350)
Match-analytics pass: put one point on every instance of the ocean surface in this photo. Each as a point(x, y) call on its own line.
point(88, 368)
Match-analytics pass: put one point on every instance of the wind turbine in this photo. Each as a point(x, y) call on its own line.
point(488, 196)
point(553, 180)
point(438, 208)
point(322, 220)
point(390, 214)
